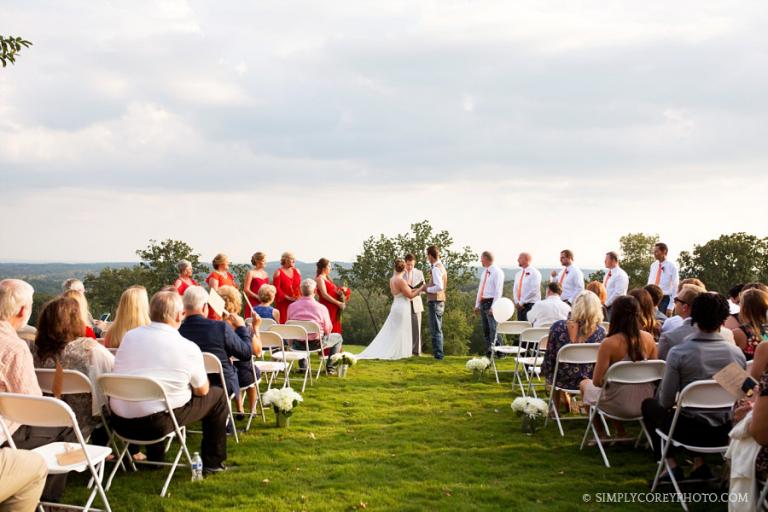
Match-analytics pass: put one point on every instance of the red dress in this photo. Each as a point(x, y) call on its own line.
point(182, 286)
point(333, 309)
point(228, 280)
point(89, 332)
point(286, 286)
point(256, 284)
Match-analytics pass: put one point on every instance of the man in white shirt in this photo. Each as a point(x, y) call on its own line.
point(527, 286)
point(570, 277)
point(490, 290)
point(551, 309)
point(616, 281)
point(436, 300)
point(414, 277)
point(159, 351)
point(664, 275)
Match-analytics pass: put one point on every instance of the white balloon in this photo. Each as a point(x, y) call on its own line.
point(503, 309)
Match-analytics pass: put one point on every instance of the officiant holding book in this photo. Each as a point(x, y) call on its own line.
point(414, 277)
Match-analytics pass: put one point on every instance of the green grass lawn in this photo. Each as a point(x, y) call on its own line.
point(412, 435)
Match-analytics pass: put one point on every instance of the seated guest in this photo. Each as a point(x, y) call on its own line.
point(734, 321)
point(78, 286)
point(266, 298)
point(83, 304)
point(60, 344)
point(625, 342)
point(758, 428)
point(674, 337)
point(698, 358)
point(184, 280)
point(648, 322)
point(753, 326)
point(733, 299)
point(308, 309)
point(582, 327)
point(132, 312)
point(22, 478)
point(245, 377)
point(219, 277)
point(657, 295)
point(216, 337)
point(254, 280)
point(18, 376)
point(158, 351)
point(598, 289)
point(551, 309)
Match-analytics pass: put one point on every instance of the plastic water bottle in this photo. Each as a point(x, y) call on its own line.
point(197, 468)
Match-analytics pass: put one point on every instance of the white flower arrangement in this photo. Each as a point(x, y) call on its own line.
point(283, 400)
point(347, 358)
point(531, 407)
point(478, 364)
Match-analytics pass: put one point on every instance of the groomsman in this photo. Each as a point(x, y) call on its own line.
point(413, 276)
point(526, 290)
point(616, 281)
point(436, 300)
point(570, 277)
point(490, 290)
point(664, 275)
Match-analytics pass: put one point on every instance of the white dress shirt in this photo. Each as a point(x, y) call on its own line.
point(437, 278)
point(549, 310)
point(531, 286)
point(616, 283)
point(672, 323)
point(669, 278)
point(572, 283)
point(491, 284)
point(158, 350)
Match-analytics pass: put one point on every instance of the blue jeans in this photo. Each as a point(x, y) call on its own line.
point(664, 304)
point(489, 326)
point(436, 310)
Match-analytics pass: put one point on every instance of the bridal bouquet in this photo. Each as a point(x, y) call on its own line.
point(282, 401)
point(532, 410)
point(478, 366)
point(343, 293)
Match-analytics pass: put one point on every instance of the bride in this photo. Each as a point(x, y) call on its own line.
point(394, 340)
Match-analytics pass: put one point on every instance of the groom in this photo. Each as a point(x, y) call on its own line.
point(414, 277)
point(436, 299)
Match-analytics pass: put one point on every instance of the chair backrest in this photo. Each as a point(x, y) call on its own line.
point(705, 394)
point(73, 381)
point(578, 353)
point(543, 343)
point(271, 340)
point(131, 388)
point(266, 323)
point(36, 411)
point(308, 325)
point(545, 325)
point(212, 363)
point(512, 327)
point(533, 334)
point(290, 332)
point(635, 372)
point(606, 326)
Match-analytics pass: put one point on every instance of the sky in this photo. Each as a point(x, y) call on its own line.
point(309, 126)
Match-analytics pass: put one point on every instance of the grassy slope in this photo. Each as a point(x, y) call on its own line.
point(414, 435)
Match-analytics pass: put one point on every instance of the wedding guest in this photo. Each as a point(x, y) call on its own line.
point(734, 321)
point(674, 337)
point(77, 285)
point(218, 278)
point(657, 295)
point(758, 427)
point(663, 274)
point(132, 312)
point(22, 478)
point(551, 309)
point(436, 289)
point(184, 280)
point(490, 290)
point(582, 327)
point(754, 323)
point(177, 364)
point(570, 277)
point(287, 281)
point(625, 342)
point(733, 300)
point(526, 287)
point(692, 280)
point(83, 304)
point(254, 280)
point(60, 344)
point(648, 322)
point(329, 295)
point(598, 289)
point(266, 297)
point(245, 377)
point(308, 309)
point(616, 281)
point(414, 277)
point(698, 358)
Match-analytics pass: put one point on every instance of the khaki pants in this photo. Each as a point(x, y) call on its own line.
point(22, 477)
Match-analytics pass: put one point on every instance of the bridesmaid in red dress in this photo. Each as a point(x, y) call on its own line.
point(254, 280)
point(287, 280)
point(185, 277)
point(329, 294)
point(219, 277)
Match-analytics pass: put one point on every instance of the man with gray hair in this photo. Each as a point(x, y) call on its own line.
point(308, 309)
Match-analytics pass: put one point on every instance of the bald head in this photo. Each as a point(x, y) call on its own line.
point(524, 259)
point(15, 302)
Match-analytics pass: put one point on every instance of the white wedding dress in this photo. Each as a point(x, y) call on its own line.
point(394, 340)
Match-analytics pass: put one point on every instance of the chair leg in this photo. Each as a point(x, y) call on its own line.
point(587, 430)
point(173, 469)
point(676, 486)
point(493, 365)
point(598, 443)
point(117, 466)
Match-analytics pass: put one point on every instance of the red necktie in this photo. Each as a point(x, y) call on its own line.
point(520, 285)
point(562, 276)
point(482, 286)
point(658, 274)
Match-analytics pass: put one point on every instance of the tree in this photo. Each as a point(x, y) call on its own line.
point(597, 275)
point(636, 256)
point(727, 260)
point(11, 46)
point(104, 289)
point(159, 259)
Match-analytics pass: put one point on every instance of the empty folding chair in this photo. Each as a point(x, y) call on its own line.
point(272, 342)
point(505, 329)
point(313, 328)
point(213, 365)
point(43, 411)
point(529, 347)
point(573, 353)
point(288, 354)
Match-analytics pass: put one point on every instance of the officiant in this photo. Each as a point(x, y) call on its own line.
point(414, 277)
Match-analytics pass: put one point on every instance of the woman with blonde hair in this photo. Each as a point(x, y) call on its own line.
point(752, 323)
point(218, 278)
point(582, 327)
point(287, 280)
point(254, 280)
point(132, 312)
point(83, 306)
point(266, 298)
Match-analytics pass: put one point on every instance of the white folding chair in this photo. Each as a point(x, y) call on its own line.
point(507, 328)
point(255, 385)
point(266, 323)
point(290, 333)
point(213, 366)
point(43, 411)
point(572, 353)
point(606, 326)
point(272, 342)
point(135, 388)
point(702, 394)
point(528, 356)
point(624, 373)
point(313, 328)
